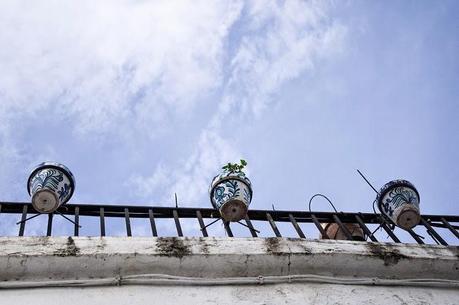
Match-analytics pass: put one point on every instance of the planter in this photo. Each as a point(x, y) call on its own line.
point(334, 231)
point(51, 185)
point(231, 194)
point(399, 200)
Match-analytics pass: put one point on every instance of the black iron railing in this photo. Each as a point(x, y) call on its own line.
point(442, 229)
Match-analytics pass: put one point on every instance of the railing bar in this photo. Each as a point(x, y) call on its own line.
point(343, 227)
point(415, 236)
point(102, 222)
point(177, 223)
point(201, 224)
point(50, 224)
point(296, 226)
point(273, 225)
point(228, 229)
point(152, 223)
point(249, 224)
point(389, 231)
point(77, 222)
point(450, 227)
point(319, 227)
point(128, 222)
point(433, 232)
point(439, 225)
point(24, 216)
point(365, 228)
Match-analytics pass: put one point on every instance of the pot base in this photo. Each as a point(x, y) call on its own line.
point(233, 210)
point(45, 201)
point(408, 218)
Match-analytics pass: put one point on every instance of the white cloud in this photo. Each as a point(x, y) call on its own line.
point(280, 41)
point(105, 62)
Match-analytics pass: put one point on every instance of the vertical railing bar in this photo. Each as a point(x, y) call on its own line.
point(102, 222)
point(249, 224)
point(389, 231)
point(201, 224)
point(273, 225)
point(152, 223)
point(450, 227)
point(365, 228)
point(319, 227)
point(343, 227)
point(433, 232)
point(24, 216)
point(77, 221)
point(177, 223)
point(228, 228)
point(296, 226)
point(128, 222)
point(50, 224)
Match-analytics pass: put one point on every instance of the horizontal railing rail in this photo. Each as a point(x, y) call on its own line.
point(73, 213)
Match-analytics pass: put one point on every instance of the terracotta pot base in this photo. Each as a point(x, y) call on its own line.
point(233, 210)
point(45, 201)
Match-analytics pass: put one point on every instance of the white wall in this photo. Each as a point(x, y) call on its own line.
point(258, 294)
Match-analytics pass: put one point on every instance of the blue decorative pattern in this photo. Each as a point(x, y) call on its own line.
point(53, 179)
point(49, 178)
point(230, 186)
point(395, 196)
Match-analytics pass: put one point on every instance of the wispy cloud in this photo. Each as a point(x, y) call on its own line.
point(278, 41)
point(103, 64)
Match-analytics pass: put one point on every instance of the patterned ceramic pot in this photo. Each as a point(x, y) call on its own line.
point(399, 200)
point(334, 231)
point(50, 185)
point(231, 194)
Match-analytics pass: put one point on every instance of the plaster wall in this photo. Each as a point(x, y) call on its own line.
point(53, 270)
point(255, 294)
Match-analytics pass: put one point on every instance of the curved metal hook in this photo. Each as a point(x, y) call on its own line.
point(321, 195)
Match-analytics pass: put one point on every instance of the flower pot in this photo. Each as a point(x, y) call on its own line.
point(50, 184)
point(399, 200)
point(231, 194)
point(334, 231)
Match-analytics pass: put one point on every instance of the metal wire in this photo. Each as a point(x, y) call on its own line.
point(321, 195)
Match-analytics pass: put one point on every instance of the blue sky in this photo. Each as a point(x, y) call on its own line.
point(144, 99)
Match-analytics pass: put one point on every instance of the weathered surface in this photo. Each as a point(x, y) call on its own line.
point(303, 294)
point(42, 258)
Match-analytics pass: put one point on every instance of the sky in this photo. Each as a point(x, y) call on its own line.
point(144, 99)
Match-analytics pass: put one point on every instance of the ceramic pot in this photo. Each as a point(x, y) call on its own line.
point(399, 200)
point(231, 194)
point(51, 185)
point(334, 231)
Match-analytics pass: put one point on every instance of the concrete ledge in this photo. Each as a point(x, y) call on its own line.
point(68, 258)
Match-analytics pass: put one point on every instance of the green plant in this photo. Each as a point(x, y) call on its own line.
point(235, 167)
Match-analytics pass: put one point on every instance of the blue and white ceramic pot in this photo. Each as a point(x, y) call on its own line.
point(231, 194)
point(50, 184)
point(399, 200)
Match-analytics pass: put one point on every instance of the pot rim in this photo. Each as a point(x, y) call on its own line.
point(58, 166)
point(389, 186)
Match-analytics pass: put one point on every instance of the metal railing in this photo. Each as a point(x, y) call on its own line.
point(431, 223)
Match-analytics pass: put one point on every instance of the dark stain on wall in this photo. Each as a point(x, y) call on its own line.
point(70, 249)
point(389, 255)
point(172, 246)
